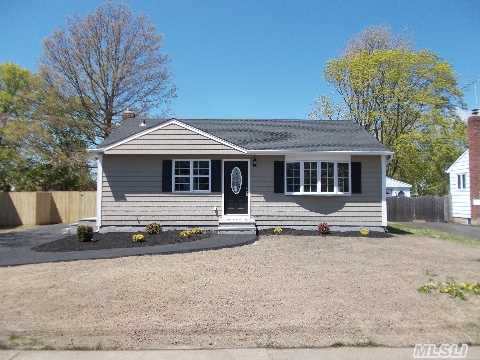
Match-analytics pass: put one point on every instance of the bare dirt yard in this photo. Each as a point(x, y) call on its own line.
point(283, 291)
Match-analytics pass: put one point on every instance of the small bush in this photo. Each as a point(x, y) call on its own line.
point(153, 228)
point(278, 230)
point(137, 237)
point(84, 233)
point(364, 231)
point(324, 229)
point(196, 231)
point(191, 232)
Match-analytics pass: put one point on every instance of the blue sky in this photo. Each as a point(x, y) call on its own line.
point(260, 59)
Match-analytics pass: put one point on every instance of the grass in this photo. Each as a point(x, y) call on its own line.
point(405, 229)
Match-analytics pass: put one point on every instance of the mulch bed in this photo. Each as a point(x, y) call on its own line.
point(294, 232)
point(114, 240)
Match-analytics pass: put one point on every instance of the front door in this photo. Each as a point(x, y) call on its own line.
point(235, 187)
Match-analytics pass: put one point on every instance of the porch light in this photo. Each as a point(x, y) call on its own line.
point(254, 163)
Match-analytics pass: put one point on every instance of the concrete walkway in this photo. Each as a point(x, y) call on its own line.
point(343, 353)
point(16, 247)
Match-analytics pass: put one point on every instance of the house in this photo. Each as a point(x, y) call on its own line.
point(240, 174)
point(397, 188)
point(464, 175)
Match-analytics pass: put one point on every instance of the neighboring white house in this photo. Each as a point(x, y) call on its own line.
point(459, 173)
point(397, 188)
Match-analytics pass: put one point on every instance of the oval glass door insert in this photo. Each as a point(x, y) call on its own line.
point(236, 180)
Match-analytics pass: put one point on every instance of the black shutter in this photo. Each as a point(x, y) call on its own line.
point(216, 175)
point(167, 176)
point(279, 176)
point(356, 177)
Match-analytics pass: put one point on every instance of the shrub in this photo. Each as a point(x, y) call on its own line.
point(196, 231)
point(324, 229)
point(278, 230)
point(364, 231)
point(191, 232)
point(84, 233)
point(137, 237)
point(153, 228)
point(185, 233)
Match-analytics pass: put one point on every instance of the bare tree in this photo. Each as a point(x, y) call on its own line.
point(376, 38)
point(110, 61)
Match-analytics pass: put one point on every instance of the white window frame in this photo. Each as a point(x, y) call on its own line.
point(462, 182)
point(335, 192)
point(191, 190)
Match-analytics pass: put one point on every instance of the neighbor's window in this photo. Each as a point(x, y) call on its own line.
point(310, 176)
point(191, 175)
point(327, 177)
point(461, 181)
point(293, 177)
point(317, 177)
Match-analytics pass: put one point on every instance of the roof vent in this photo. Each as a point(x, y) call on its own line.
point(143, 124)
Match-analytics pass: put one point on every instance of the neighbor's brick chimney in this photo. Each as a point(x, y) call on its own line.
point(128, 114)
point(474, 160)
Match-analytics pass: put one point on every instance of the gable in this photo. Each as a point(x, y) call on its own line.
point(173, 138)
point(461, 164)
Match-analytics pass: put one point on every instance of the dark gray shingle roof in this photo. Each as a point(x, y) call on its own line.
point(293, 135)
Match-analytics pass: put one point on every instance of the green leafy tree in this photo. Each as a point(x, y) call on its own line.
point(407, 100)
point(40, 148)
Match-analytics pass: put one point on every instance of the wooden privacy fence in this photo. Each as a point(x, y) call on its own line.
point(428, 208)
point(40, 208)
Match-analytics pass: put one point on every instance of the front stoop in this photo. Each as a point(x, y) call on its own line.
point(236, 224)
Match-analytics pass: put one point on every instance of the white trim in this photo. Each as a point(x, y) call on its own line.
point(288, 152)
point(384, 191)
point(335, 191)
point(181, 124)
point(192, 176)
point(223, 188)
point(99, 190)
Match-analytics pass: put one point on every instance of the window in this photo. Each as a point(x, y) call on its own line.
point(343, 177)
point(327, 177)
point(191, 175)
point(310, 176)
point(201, 175)
point(317, 177)
point(461, 181)
point(293, 177)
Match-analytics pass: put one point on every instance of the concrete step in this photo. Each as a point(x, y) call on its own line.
point(237, 229)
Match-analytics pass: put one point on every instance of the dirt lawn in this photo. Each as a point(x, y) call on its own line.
point(282, 291)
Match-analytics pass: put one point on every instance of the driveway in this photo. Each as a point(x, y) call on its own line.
point(471, 231)
point(282, 291)
point(16, 247)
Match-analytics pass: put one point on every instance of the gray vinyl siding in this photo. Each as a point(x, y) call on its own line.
point(271, 209)
point(172, 139)
point(132, 195)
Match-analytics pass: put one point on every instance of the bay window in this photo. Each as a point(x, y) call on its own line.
point(293, 177)
point(327, 178)
point(317, 177)
point(310, 176)
point(343, 176)
point(191, 176)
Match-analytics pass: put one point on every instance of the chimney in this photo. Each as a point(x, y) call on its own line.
point(128, 114)
point(474, 164)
